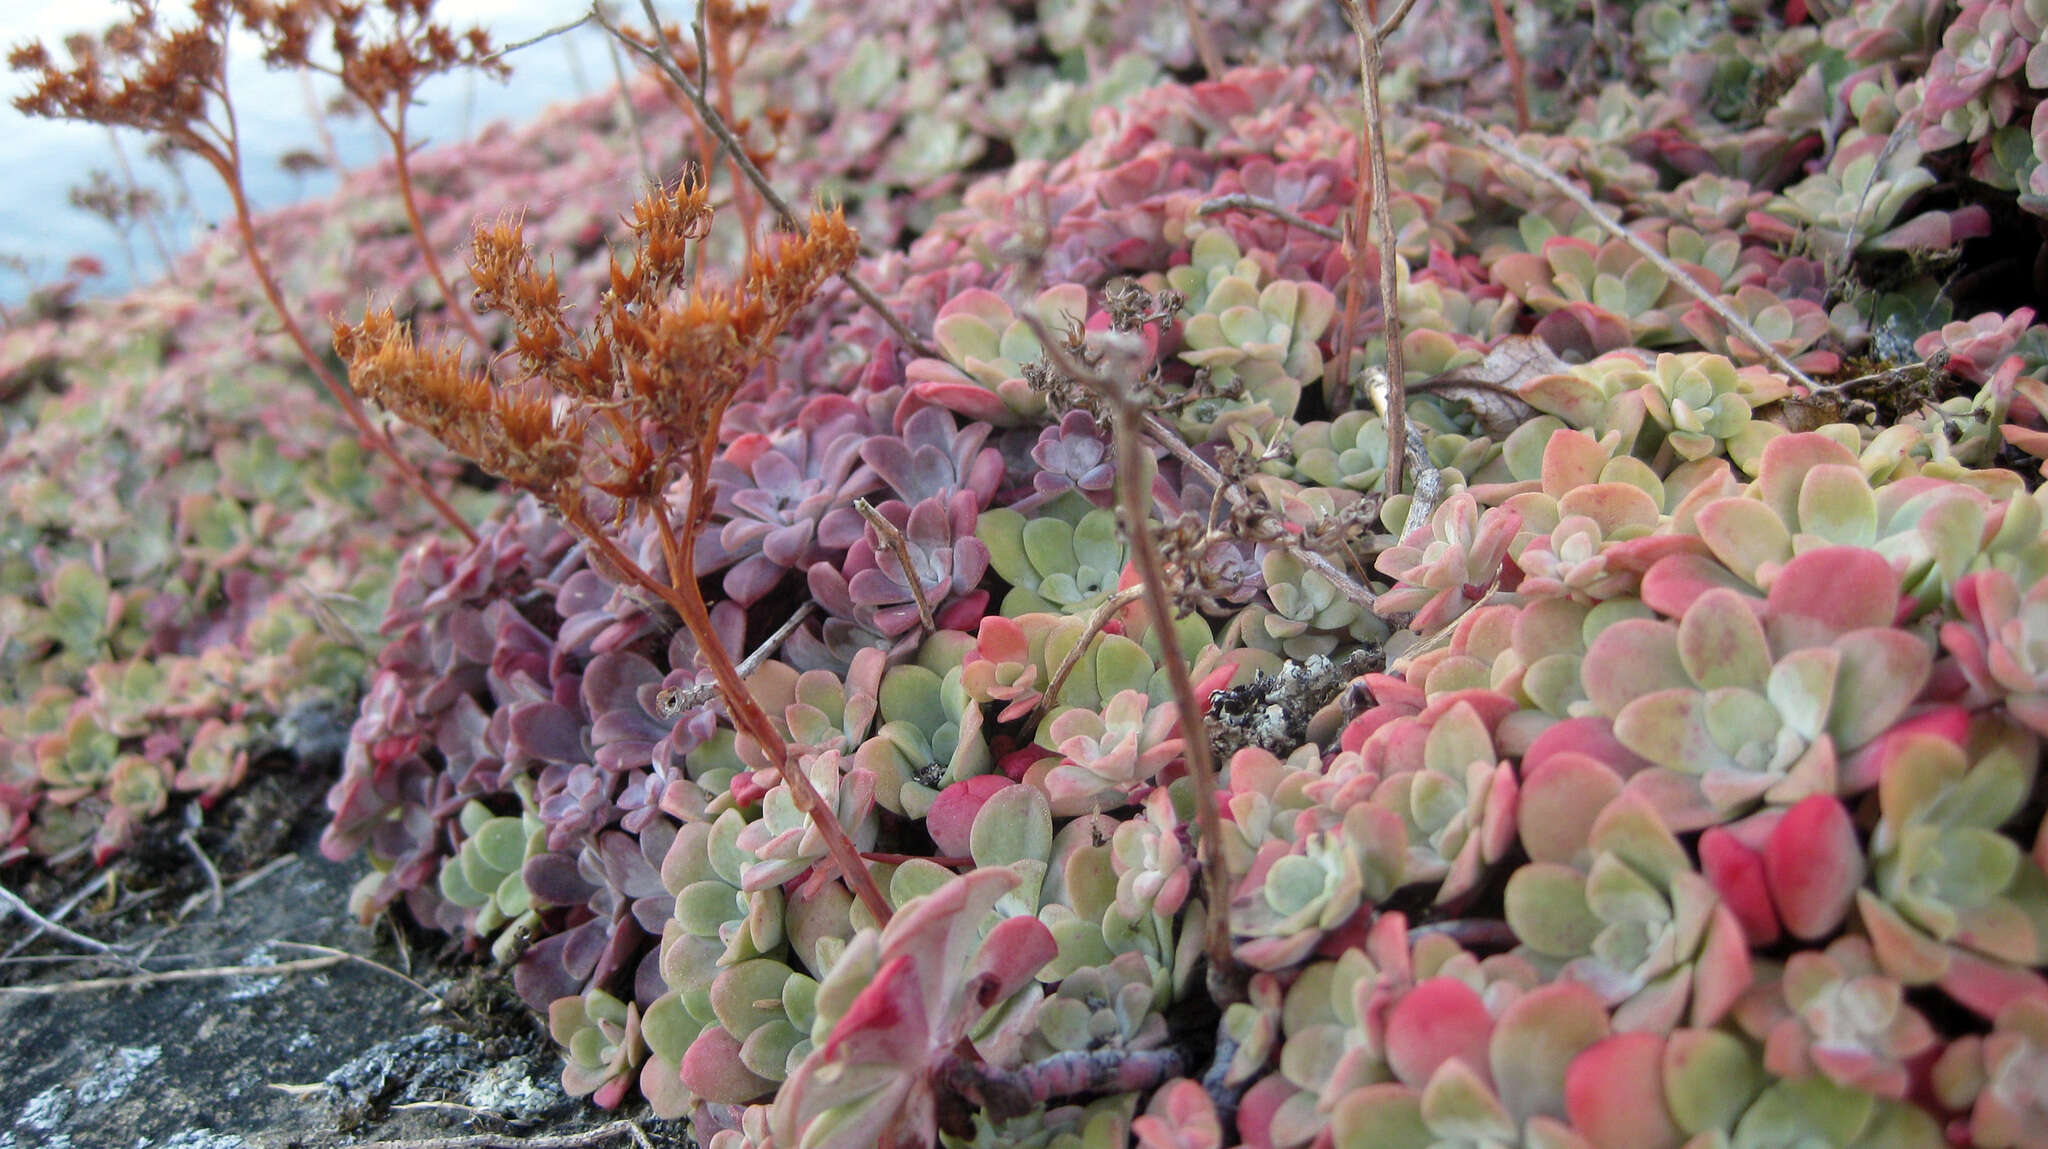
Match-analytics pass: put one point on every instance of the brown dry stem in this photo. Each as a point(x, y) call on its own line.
point(612, 416)
point(1089, 633)
point(587, 1139)
point(1227, 977)
point(1370, 38)
point(1240, 201)
point(900, 547)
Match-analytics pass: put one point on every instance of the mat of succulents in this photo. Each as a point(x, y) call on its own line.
point(1075, 575)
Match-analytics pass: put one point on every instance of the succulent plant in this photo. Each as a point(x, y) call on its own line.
point(1744, 664)
point(1831, 1012)
point(1107, 754)
point(1950, 900)
point(895, 1004)
point(1639, 925)
point(787, 498)
point(602, 1036)
point(983, 335)
point(1446, 566)
point(1066, 559)
point(930, 737)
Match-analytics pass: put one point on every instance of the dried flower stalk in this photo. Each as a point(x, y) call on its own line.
point(168, 82)
point(382, 75)
point(609, 419)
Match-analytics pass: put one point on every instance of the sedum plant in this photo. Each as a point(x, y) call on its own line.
point(1650, 758)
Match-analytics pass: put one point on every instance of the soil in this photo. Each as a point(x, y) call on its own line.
point(344, 1054)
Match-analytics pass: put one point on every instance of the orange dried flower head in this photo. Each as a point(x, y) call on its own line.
point(133, 75)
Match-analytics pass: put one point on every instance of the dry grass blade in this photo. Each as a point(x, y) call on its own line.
point(1542, 171)
point(587, 1139)
point(1239, 201)
point(13, 902)
point(900, 547)
point(380, 967)
point(208, 973)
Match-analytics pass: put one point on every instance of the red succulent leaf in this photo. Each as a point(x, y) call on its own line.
point(1614, 1093)
point(1828, 592)
point(952, 814)
point(1440, 1019)
point(712, 1069)
point(1813, 863)
point(1737, 874)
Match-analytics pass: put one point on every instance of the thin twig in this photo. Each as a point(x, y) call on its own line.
point(1396, 416)
point(632, 113)
point(1239, 201)
point(380, 967)
point(1227, 976)
point(692, 697)
point(550, 34)
point(1009, 1093)
point(1089, 634)
point(665, 61)
point(261, 872)
point(98, 883)
point(583, 1140)
point(1205, 46)
point(1167, 437)
point(1848, 252)
point(900, 547)
point(1511, 54)
point(1584, 202)
point(213, 890)
point(13, 902)
point(1429, 482)
point(766, 650)
point(1892, 378)
point(1392, 23)
point(210, 972)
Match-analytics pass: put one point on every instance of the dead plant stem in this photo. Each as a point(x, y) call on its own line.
point(13, 901)
point(1239, 201)
point(587, 1139)
point(89, 985)
point(1542, 171)
point(631, 113)
point(1096, 621)
point(1396, 418)
point(683, 596)
point(1134, 498)
point(666, 62)
point(1226, 978)
point(213, 891)
point(350, 405)
point(394, 134)
point(1167, 437)
point(37, 929)
point(900, 547)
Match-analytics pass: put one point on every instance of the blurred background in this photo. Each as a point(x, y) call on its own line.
point(63, 177)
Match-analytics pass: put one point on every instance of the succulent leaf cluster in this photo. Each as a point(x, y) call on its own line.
point(1675, 780)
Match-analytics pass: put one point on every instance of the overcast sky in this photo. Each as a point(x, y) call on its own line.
point(44, 159)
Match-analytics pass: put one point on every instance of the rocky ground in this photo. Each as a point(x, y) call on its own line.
point(336, 1048)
